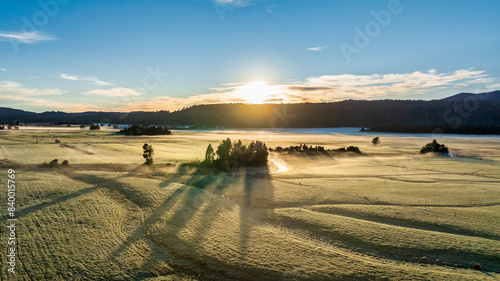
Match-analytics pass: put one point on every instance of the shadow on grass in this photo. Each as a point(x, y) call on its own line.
point(202, 196)
point(58, 200)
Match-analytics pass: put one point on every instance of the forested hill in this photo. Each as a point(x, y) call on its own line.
point(343, 114)
point(465, 111)
point(469, 96)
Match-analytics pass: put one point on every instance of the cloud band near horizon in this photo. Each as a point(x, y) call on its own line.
point(326, 88)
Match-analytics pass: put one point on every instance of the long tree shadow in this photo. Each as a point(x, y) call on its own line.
point(251, 190)
point(200, 196)
point(141, 231)
point(258, 197)
point(212, 210)
point(188, 192)
point(56, 201)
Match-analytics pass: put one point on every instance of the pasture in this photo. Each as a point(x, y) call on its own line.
point(388, 214)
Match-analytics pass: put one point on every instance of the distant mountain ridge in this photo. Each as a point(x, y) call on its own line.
point(495, 95)
point(450, 112)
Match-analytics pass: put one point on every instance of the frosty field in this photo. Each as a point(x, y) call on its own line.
point(388, 214)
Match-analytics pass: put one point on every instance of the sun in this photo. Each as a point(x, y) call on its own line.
point(256, 92)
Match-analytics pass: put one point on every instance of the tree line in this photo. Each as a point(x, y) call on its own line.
point(483, 116)
point(304, 148)
point(137, 130)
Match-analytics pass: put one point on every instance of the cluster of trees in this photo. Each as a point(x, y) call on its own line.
point(95, 127)
point(303, 148)
point(136, 130)
point(232, 155)
point(435, 147)
point(299, 148)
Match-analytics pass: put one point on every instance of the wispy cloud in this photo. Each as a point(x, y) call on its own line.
point(49, 105)
point(31, 37)
point(114, 92)
point(270, 10)
point(317, 49)
point(389, 85)
point(94, 80)
point(236, 3)
point(3, 69)
point(493, 86)
point(10, 89)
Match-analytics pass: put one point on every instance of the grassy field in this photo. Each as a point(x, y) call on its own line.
point(389, 214)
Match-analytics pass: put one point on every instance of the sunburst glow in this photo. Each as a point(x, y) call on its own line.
point(256, 92)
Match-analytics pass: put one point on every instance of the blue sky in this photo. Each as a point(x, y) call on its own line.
point(75, 55)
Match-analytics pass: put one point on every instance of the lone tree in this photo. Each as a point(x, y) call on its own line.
point(376, 140)
point(209, 155)
point(148, 153)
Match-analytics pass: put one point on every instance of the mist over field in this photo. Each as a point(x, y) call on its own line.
point(249, 140)
point(388, 213)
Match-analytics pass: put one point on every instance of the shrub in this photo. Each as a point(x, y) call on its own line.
point(65, 163)
point(477, 266)
point(57, 141)
point(353, 149)
point(95, 127)
point(53, 163)
point(434, 147)
point(376, 140)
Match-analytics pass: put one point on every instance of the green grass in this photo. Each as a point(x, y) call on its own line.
point(391, 214)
